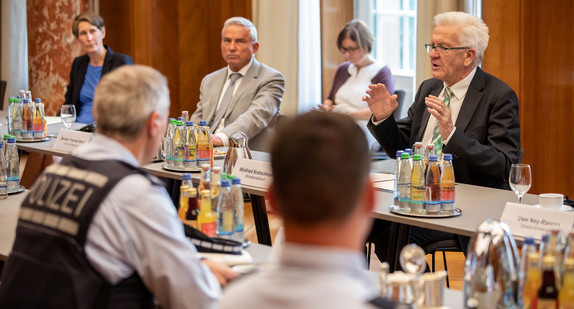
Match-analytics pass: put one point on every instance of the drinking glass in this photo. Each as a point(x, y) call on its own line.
point(520, 179)
point(68, 115)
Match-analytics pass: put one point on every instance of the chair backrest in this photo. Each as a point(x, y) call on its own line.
point(401, 100)
point(2, 92)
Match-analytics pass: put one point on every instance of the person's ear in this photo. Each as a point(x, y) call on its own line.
point(469, 56)
point(255, 47)
point(272, 199)
point(103, 32)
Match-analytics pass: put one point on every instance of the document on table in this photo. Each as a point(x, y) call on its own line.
point(53, 120)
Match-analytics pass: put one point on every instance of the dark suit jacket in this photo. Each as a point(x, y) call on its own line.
point(78, 72)
point(487, 137)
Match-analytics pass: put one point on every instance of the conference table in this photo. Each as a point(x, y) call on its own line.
point(477, 203)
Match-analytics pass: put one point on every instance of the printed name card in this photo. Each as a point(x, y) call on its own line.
point(531, 221)
point(69, 140)
point(253, 173)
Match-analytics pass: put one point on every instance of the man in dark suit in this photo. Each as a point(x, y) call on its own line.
point(462, 110)
point(244, 96)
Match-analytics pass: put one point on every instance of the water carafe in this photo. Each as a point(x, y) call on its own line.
point(491, 270)
point(238, 148)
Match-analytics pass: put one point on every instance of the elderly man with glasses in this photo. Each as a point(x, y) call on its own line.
point(462, 110)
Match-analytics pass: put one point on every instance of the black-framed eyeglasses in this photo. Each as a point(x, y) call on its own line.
point(441, 49)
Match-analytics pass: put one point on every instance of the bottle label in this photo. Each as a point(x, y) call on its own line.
point(546, 303)
point(13, 184)
point(208, 229)
point(3, 192)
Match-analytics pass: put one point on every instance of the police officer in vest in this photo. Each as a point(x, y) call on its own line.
point(96, 231)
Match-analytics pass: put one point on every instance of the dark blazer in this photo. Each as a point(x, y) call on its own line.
point(487, 137)
point(78, 72)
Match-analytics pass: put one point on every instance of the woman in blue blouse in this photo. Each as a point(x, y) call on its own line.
point(89, 30)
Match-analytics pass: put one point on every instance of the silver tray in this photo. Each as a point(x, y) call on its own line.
point(181, 169)
point(32, 140)
point(403, 212)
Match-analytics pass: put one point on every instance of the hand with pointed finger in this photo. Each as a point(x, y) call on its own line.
point(441, 112)
point(381, 102)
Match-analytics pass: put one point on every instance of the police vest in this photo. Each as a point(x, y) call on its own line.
point(47, 267)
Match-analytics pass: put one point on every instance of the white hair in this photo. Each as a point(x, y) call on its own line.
point(474, 32)
point(241, 21)
point(126, 97)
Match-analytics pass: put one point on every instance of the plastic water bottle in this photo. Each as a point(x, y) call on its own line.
point(238, 211)
point(225, 216)
point(528, 247)
point(432, 187)
point(204, 145)
point(417, 186)
point(168, 142)
point(179, 144)
point(404, 185)
point(190, 146)
point(3, 176)
point(447, 190)
point(397, 173)
point(410, 152)
point(12, 166)
point(15, 114)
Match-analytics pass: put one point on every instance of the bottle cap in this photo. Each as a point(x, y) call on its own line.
point(405, 155)
point(172, 121)
point(202, 123)
point(433, 158)
point(417, 157)
point(7, 136)
point(179, 123)
point(235, 180)
point(179, 118)
point(189, 123)
point(186, 176)
point(224, 183)
point(399, 153)
point(409, 151)
point(529, 241)
point(37, 100)
point(26, 100)
point(1, 145)
point(11, 140)
point(545, 237)
point(447, 157)
point(224, 176)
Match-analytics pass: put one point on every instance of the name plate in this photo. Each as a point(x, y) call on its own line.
point(531, 221)
point(69, 140)
point(253, 173)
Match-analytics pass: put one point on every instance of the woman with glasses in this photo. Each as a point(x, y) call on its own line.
point(354, 76)
point(99, 59)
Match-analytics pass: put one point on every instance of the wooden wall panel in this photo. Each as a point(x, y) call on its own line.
point(335, 14)
point(180, 38)
point(542, 33)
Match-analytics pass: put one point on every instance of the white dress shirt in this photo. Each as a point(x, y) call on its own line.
point(459, 92)
point(306, 277)
point(136, 229)
point(243, 71)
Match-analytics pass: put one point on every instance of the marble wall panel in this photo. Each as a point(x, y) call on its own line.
point(52, 48)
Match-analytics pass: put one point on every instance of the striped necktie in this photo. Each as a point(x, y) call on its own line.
point(436, 137)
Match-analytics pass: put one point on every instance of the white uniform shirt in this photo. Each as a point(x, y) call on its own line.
point(136, 229)
point(306, 277)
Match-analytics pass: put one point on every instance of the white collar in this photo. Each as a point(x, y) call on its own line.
point(459, 89)
point(243, 70)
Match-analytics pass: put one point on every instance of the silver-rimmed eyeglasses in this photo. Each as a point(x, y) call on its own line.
point(441, 49)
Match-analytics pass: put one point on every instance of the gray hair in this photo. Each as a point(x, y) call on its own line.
point(474, 32)
point(90, 17)
point(126, 97)
point(241, 21)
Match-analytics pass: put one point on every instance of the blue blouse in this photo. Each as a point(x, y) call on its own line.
point(91, 80)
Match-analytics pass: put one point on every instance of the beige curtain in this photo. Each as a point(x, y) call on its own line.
point(277, 27)
point(426, 10)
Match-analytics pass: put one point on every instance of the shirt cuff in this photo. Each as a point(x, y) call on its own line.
point(224, 138)
point(445, 141)
point(377, 122)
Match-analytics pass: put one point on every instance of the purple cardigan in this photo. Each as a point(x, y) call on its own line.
point(384, 76)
